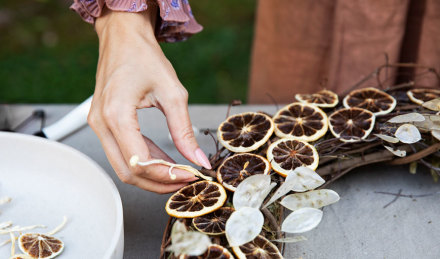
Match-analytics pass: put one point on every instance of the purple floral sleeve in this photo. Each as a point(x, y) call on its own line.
point(176, 21)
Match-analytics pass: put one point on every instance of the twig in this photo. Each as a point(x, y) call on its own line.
point(273, 221)
point(399, 194)
point(416, 156)
point(409, 195)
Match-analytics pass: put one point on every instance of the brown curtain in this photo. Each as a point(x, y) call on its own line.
point(304, 46)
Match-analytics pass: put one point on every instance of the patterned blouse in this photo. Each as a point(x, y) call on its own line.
point(176, 21)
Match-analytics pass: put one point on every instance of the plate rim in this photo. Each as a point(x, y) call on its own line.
point(118, 234)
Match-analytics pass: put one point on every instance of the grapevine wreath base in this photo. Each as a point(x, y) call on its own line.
point(265, 163)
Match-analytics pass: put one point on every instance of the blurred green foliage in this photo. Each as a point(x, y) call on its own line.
point(48, 54)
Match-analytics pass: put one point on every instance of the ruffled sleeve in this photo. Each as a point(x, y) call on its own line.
point(176, 21)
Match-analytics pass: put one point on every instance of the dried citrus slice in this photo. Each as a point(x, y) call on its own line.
point(372, 99)
point(195, 200)
point(287, 154)
point(422, 95)
point(351, 124)
point(245, 132)
point(323, 98)
point(213, 252)
point(260, 247)
point(214, 222)
point(40, 246)
point(300, 121)
point(240, 166)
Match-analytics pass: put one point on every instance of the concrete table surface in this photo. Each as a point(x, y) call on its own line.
point(358, 226)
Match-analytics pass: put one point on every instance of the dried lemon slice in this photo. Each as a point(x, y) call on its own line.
point(300, 121)
point(287, 154)
point(195, 200)
point(214, 222)
point(422, 95)
point(372, 99)
point(40, 246)
point(351, 124)
point(240, 166)
point(245, 132)
point(323, 98)
point(260, 247)
point(213, 252)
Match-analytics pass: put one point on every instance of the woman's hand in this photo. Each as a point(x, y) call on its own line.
point(133, 73)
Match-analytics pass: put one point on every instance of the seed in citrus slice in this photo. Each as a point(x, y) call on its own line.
point(351, 124)
point(323, 98)
point(245, 132)
point(372, 99)
point(260, 247)
point(300, 121)
point(287, 154)
point(40, 246)
point(214, 222)
point(213, 252)
point(422, 95)
point(195, 200)
point(240, 166)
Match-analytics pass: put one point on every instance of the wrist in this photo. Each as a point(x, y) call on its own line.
point(126, 26)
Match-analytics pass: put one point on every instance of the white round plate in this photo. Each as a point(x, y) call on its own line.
point(48, 180)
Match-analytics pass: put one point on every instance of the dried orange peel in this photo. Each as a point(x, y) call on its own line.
point(134, 160)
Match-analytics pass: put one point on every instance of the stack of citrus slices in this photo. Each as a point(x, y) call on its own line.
point(286, 148)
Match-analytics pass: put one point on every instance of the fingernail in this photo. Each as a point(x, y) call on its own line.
point(203, 160)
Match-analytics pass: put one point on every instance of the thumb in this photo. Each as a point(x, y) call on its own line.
point(181, 130)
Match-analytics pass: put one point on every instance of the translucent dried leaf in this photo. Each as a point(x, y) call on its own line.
point(436, 134)
point(252, 191)
point(290, 239)
point(387, 138)
point(244, 225)
point(409, 117)
point(312, 199)
point(302, 220)
point(187, 242)
point(408, 133)
point(433, 105)
point(396, 152)
point(431, 122)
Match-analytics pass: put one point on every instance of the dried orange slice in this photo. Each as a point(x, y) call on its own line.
point(287, 154)
point(323, 98)
point(300, 121)
point(240, 166)
point(245, 132)
point(213, 252)
point(372, 99)
point(195, 200)
point(351, 124)
point(214, 222)
point(422, 95)
point(40, 246)
point(260, 247)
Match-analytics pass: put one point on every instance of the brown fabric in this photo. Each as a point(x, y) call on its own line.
point(304, 46)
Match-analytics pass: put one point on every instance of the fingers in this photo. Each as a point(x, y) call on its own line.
point(175, 109)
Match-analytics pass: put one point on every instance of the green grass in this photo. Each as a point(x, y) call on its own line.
point(213, 65)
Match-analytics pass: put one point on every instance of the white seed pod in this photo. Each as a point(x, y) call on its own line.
point(305, 179)
point(302, 220)
point(396, 152)
point(436, 134)
point(409, 117)
point(187, 242)
point(252, 191)
point(387, 138)
point(300, 180)
point(312, 199)
point(433, 105)
point(408, 133)
point(243, 226)
point(431, 122)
